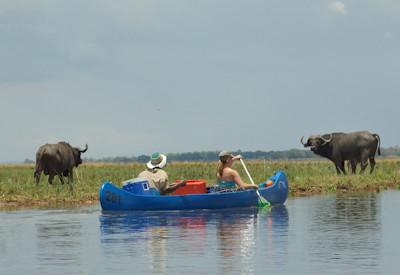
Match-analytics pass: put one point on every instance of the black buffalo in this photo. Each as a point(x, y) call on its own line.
point(57, 159)
point(356, 147)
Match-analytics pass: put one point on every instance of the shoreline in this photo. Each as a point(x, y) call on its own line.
point(9, 205)
point(306, 178)
point(43, 204)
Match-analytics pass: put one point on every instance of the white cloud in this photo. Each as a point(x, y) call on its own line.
point(338, 7)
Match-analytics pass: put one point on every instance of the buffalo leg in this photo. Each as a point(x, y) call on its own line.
point(341, 167)
point(71, 177)
point(38, 172)
point(364, 162)
point(37, 176)
point(363, 166)
point(372, 163)
point(61, 178)
point(51, 177)
point(353, 164)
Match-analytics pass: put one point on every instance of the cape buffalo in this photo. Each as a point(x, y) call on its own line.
point(57, 159)
point(356, 147)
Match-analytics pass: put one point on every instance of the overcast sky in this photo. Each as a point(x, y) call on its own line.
point(132, 77)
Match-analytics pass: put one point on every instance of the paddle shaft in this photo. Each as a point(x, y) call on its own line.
point(247, 171)
point(248, 174)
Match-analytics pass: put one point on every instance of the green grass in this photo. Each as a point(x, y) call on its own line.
point(17, 186)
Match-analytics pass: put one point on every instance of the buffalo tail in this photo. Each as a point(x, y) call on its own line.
point(379, 143)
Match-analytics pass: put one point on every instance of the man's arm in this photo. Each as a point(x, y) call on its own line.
point(168, 188)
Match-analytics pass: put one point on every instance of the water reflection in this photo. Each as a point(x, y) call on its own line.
point(324, 235)
point(58, 244)
point(345, 231)
point(236, 239)
point(146, 234)
point(275, 247)
point(232, 234)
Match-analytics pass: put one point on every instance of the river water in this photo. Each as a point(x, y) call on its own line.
point(338, 234)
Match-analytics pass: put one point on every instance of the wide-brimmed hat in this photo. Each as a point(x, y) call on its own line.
point(157, 160)
point(225, 153)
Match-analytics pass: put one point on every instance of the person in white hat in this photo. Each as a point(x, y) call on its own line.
point(157, 177)
point(227, 175)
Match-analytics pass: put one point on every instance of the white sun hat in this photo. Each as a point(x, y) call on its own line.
point(157, 160)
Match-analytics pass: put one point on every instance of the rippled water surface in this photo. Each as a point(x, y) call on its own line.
point(318, 235)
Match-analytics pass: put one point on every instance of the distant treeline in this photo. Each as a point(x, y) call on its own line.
point(291, 154)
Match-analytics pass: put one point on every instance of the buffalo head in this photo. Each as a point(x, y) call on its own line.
point(316, 142)
point(77, 154)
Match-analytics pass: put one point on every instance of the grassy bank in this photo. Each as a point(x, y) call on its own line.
point(17, 186)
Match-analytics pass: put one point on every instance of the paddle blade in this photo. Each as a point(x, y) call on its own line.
point(263, 203)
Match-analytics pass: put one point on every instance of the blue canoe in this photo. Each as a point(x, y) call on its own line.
point(114, 198)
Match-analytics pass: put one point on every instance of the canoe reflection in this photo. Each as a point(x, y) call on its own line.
point(141, 221)
point(230, 233)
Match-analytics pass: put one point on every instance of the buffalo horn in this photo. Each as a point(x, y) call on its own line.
point(326, 140)
point(84, 150)
point(301, 140)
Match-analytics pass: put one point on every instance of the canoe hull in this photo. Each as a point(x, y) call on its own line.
point(114, 198)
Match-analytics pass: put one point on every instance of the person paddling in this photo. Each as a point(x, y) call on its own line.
point(226, 175)
point(157, 177)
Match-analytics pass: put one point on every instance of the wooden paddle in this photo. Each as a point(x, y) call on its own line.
point(262, 202)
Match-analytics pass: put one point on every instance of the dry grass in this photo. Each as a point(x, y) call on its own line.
point(17, 186)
